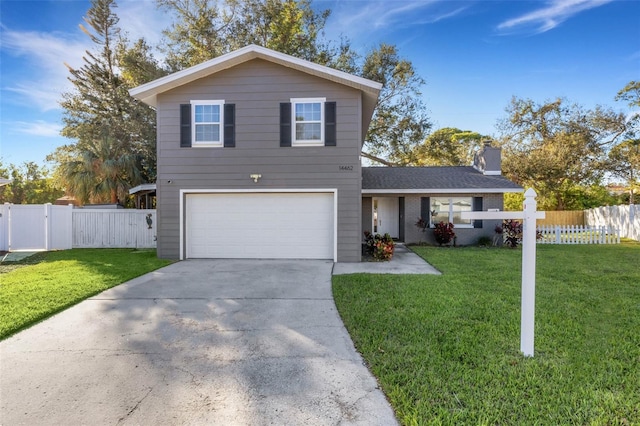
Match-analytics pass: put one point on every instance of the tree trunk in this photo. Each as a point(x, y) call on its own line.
point(378, 159)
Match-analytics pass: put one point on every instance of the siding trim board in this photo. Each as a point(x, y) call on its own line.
point(185, 192)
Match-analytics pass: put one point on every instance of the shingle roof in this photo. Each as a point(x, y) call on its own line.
point(433, 179)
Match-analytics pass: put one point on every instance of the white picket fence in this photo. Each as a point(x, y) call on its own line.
point(626, 218)
point(577, 234)
point(32, 227)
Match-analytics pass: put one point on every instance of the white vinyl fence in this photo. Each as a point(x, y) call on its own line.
point(577, 234)
point(35, 227)
point(30, 227)
point(626, 218)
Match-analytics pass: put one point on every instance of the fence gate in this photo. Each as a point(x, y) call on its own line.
point(35, 227)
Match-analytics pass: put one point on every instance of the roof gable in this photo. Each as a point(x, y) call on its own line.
point(148, 92)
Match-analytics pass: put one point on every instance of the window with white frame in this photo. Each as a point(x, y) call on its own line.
point(448, 209)
point(308, 121)
point(207, 123)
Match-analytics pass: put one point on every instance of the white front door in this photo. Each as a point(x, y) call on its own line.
point(386, 215)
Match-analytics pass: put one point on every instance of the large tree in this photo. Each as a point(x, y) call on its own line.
point(624, 162)
point(399, 122)
point(624, 159)
point(103, 173)
point(555, 146)
point(449, 147)
point(203, 30)
point(99, 103)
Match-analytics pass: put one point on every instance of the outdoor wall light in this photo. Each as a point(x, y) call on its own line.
point(255, 177)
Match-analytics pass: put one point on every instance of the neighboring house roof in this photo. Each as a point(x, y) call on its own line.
point(145, 188)
point(66, 200)
point(148, 93)
point(378, 180)
point(4, 181)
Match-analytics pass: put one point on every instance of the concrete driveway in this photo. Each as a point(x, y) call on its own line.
point(218, 342)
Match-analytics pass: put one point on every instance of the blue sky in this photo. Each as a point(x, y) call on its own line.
point(474, 55)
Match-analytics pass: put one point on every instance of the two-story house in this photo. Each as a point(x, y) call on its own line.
point(258, 156)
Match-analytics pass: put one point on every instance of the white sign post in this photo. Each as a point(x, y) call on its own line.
point(528, 217)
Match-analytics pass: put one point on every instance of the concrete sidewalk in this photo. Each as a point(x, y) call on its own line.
point(207, 342)
point(404, 261)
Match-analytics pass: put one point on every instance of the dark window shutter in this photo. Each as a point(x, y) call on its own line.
point(329, 124)
point(401, 224)
point(425, 209)
point(285, 124)
point(185, 125)
point(477, 207)
point(229, 125)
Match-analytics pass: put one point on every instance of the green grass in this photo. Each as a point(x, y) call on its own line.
point(445, 349)
point(47, 283)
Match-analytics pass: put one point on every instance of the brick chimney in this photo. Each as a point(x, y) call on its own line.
point(488, 160)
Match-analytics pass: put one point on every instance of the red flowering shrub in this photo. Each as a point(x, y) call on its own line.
point(380, 247)
point(444, 233)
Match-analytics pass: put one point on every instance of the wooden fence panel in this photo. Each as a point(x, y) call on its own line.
point(567, 217)
point(114, 228)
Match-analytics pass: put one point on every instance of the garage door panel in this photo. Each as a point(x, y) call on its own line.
point(260, 225)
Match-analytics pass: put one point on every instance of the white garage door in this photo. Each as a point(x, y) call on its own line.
point(260, 225)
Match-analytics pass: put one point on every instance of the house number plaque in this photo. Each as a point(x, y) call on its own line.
point(345, 168)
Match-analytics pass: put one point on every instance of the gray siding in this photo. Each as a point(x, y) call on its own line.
point(413, 235)
point(257, 88)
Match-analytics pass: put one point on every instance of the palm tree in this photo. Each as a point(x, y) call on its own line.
point(103, 172)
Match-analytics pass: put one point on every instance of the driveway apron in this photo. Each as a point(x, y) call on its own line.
point(218, 342)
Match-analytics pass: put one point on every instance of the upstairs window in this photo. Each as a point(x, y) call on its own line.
point(207, 124)
point(308, 121)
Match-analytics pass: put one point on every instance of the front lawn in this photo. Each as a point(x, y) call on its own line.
point(446, 349)
point(50, 282)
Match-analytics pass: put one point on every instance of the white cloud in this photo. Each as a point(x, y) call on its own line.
point(45, 73)
point(44, 95)
point(358, 20)
point(44, 54)
point(550, 16)
point(38, 128)
point(142, 19)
